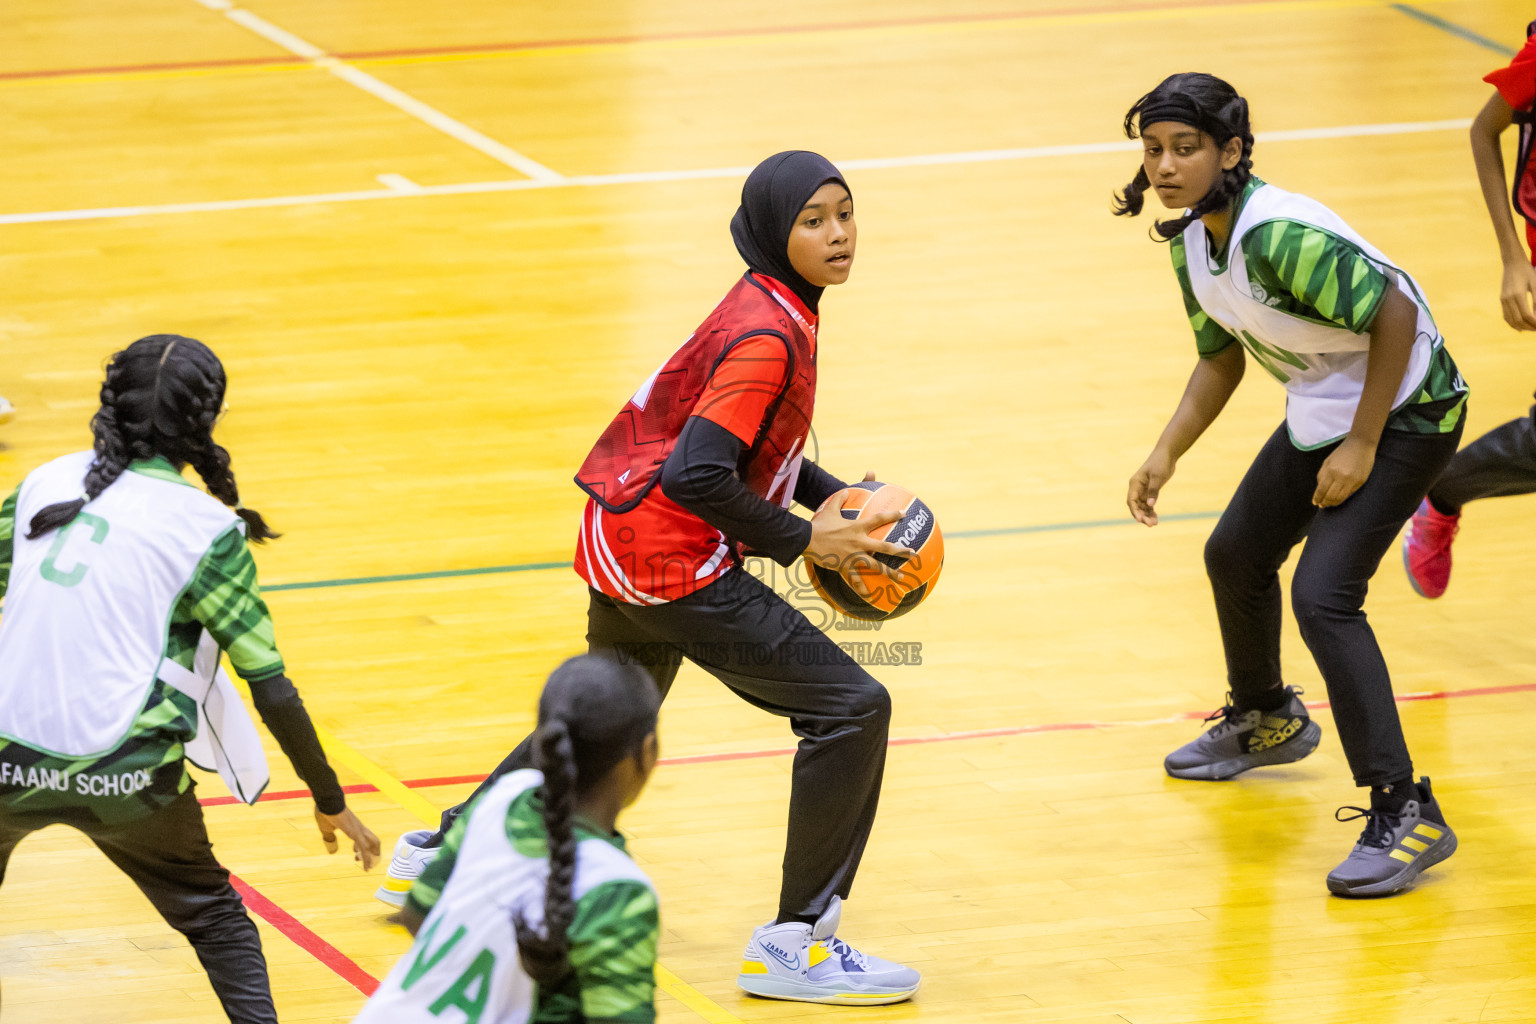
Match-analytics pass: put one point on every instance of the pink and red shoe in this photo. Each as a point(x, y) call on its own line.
point(1427, 549)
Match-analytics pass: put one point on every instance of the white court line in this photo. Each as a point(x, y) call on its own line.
point(643, 177)
point(389, 94)
point(398, 182)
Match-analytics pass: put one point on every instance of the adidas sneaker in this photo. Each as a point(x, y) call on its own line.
point(1394, 848)
point(1247, 739)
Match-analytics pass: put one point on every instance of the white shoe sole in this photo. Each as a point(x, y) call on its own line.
point(767, 986)
point(393, 891)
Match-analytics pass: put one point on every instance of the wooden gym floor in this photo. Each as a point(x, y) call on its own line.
point(438, 245)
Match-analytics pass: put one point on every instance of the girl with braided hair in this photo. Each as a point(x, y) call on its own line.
point(121, 581)
point(1374, 412)
point(533, 910)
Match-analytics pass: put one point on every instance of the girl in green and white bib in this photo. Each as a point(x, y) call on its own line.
point(1374, 411)
point(533, 910)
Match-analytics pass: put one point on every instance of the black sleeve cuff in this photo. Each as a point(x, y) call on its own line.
point(815, 485)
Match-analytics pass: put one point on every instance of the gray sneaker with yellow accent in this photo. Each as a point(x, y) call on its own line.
point(810, 964)
point(1241, 740)
point(1394, 848)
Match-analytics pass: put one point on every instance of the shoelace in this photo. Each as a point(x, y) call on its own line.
point(1380, 827)
point(847, 952)
point(1436, 528)
point(1228, 712)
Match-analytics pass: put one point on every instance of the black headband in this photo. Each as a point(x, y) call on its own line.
point(1180, 108)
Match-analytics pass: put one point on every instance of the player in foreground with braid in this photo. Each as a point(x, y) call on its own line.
point(1374, 411)
point(107, 597)
point(533, 909)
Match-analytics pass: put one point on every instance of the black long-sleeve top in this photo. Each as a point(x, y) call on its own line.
point(701, 475)
point(282, 710)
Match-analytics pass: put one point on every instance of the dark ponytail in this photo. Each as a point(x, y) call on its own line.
point(546, 957)
point(1204, 102)
point(593, 714)
point(161, 396)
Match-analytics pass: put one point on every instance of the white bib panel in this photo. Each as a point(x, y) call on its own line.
point(1322, 366)
point(85, 619)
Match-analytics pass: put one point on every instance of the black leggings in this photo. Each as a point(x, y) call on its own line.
point(742, 633)
point(169, 858)
point(1501, 462)
point(1268, 516)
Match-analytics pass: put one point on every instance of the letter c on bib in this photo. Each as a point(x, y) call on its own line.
point(50, 568)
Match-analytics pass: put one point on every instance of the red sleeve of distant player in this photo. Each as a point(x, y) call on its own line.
point(1517, 83)
point(744, 385)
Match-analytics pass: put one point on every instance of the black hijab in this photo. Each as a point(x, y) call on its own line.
point(771, 199)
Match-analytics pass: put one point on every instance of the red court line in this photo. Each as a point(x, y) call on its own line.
point(628, 40)
point(904, 741)
point(348, 969)
point(305, 939)
point(130, 69)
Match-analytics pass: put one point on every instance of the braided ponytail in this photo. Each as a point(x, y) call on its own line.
point(1214, 107)
point(593, 715)
point(211, 461)
point(161, 396)
point(546, 957)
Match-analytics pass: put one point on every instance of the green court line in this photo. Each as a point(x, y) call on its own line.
point(405, 577)
point(1454, 29)
point(496, 570)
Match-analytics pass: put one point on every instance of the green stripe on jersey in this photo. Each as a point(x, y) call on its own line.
point(7, 538)
point(1439, 403)
point(1210, 337)
point(1311, 273)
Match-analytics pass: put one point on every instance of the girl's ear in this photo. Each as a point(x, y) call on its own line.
point(650, 751)
point(1231, 153)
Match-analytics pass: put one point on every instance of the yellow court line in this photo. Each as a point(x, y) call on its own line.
point(711, 1011)
point(380, 779)
point(747, 37)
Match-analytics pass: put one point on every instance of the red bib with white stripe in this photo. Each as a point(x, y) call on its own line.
point(638, 545)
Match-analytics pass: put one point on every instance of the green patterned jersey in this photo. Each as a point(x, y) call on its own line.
point(613, 936)
point(1318, 276)
point(146, 771)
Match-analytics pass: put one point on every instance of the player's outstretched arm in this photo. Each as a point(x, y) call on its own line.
point(282, 711)
point(1518, 289)
point(1210, 386)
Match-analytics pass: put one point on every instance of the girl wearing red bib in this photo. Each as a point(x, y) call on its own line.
point(698, 468)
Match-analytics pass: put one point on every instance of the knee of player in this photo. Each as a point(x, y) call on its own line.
point(873, 700)
point(1316, 596)
point(1224, 555)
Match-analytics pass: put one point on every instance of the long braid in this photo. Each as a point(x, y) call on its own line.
point(546, 956)
point(594, 714)
point(114, 451)
point(212, 463)
point(161, 396)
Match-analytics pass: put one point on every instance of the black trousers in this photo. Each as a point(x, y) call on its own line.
point(1501, 462)
point(169, 858)
point(1268, 516)
point(742, 633)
